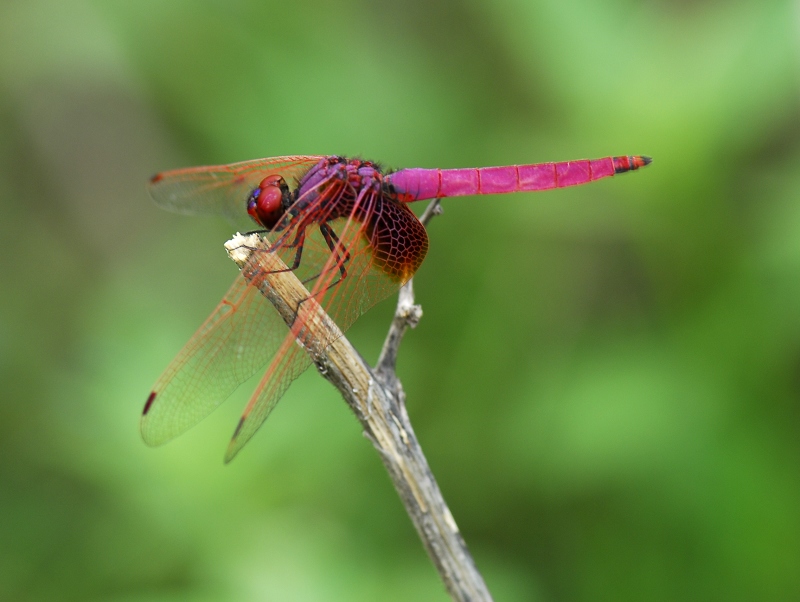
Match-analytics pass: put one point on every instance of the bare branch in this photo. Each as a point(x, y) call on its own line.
point(378, 402)
point(433, 209)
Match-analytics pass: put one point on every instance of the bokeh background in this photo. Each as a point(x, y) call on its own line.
point(606, 379)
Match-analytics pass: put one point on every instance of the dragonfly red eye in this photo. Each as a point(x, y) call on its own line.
point(266, 203)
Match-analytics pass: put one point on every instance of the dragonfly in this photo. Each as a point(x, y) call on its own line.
point(344, 227)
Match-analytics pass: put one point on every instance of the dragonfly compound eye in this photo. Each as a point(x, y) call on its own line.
point(265, 205)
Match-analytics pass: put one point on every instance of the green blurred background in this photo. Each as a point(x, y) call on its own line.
point(606, 379)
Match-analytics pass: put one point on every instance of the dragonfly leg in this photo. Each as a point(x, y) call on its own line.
point(281, 242)
point(332, 241)
point(257, 231)
point(298, 243)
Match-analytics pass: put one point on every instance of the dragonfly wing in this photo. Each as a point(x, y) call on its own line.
point(238, 339)
point(289, 363)
point(224, 189)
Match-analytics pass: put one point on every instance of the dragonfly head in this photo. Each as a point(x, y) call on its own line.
point(267, 203)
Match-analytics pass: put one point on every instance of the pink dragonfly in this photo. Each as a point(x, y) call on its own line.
point(344, 227)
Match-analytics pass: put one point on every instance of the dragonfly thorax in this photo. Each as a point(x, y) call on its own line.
point(338, 186)
point(356, 173)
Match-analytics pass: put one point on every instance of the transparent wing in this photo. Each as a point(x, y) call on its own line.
point(289, 363)
point(224, 189)
point(238, 339)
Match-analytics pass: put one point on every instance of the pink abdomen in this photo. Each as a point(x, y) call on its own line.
point(417, 184)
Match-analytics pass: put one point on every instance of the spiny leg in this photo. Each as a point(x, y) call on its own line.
point(332, 241)
point(298, 243)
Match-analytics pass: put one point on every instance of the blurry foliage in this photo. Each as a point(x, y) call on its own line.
point(605, 380)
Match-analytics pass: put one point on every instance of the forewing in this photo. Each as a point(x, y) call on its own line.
point(224, 189)
point(236, 340)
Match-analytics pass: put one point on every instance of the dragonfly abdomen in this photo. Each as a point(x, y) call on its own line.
point(418, 184)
